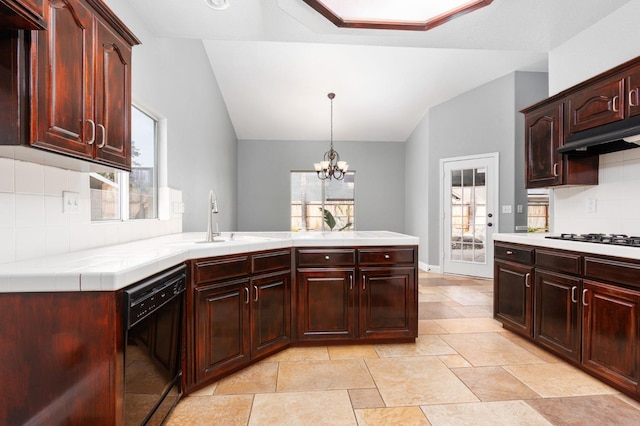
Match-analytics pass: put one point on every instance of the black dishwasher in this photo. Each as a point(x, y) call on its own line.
point(153, 335)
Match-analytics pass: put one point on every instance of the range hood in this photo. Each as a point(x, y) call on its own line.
point(603, 139)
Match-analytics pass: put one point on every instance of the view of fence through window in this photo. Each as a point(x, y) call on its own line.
point(107, 197)
point(318, 205)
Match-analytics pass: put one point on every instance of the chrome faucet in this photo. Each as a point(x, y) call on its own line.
point(212, 209)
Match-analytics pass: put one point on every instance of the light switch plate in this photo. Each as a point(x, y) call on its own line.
point(70, 202)
point(591, 205)
point(506, 209)
point(519, 208)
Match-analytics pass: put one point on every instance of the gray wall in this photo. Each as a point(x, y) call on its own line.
point(264, 184)
point(480, 121)
point(173, 77)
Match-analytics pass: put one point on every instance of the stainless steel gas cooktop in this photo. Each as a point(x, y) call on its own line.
point(615, 239)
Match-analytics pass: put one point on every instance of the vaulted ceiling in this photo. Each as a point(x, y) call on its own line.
point(276, 60)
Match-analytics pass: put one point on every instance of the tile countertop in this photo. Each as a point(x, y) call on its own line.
point(114, 267)
point(535, 239)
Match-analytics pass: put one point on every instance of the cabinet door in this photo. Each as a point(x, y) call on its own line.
point(598, 104)
point(271, 313)
point(112, 98)
point(513, 296)
point(543, 137)
point(611, 317)
point(326, 304)
point(633, 92)
point(63, 119)
point(388, 303)
point(222, 328)
point(557, 321)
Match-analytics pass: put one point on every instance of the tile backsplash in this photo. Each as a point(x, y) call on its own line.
point(612, 206)
point(32, 222)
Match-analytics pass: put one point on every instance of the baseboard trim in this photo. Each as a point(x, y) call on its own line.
point(429, 268)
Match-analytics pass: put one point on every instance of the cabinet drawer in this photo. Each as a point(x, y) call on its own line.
point(514, 253)
point(326, 257)
point(220, 269)
point(558, 261)
point(272, 261)
point(616, 271)
point(386, 256)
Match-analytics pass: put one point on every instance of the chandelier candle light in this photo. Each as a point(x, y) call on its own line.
point(331, 166)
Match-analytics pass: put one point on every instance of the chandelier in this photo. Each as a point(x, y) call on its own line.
point(331, 166)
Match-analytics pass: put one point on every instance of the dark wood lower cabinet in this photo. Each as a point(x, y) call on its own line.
point(326, 307)
point(557, 313)
point(61, 358)
point(611, 336)
point(513, 296)
point(586, 310)
point(270, 313)
point(222, 328)
point(387, 302)
point(246, 307)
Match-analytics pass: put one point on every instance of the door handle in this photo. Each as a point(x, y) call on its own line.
point(574, 295)
point(255, 289)
point(584, 297)
point(527, 280)
point(246, 295)
point(350, 281)
point(364, 282)
point(489, 224)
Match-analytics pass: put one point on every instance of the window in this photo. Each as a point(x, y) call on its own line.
point(538, 210)
point(318, 205)
point(108, 200)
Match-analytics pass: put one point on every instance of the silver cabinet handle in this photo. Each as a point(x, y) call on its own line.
point(633, 95)
point(246, 295)
point(326, 257)
point(364, 281)
point(527, 280)
point(350, 281)
point(616, 101)
point(509, 252)
point(574, 295)
point(93, 132)
point(104, 136)
point(255, 296)
point(386, 256)
point(555, 169)
point(584, 297)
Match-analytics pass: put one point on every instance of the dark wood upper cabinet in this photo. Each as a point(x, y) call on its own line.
point(69, 87)
point(633, 92)
point(599, 104)
point(543, 137)
point(62, 84)
point(22, 14)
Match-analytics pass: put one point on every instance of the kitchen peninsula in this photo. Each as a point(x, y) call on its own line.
point(247, 296)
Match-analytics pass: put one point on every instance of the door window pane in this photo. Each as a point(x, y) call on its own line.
point(468, 215)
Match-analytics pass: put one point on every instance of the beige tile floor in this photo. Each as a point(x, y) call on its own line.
point(464, 369)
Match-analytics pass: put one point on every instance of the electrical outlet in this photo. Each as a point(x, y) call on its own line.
point(70, 202)
point(178, 207)
point(506, 209)
point(591, 205)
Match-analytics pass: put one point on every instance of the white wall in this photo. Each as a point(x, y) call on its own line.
point(606, 44)
point(174, 78)
point(483, 120)
point(264, 193)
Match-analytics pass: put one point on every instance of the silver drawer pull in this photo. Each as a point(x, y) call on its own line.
point(386, 256)
point(326, 257)
point(509, 252)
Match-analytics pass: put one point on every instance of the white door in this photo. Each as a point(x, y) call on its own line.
point(469, 188)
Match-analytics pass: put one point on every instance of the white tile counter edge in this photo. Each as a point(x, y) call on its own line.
point(114, 267)
point(540, 240)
